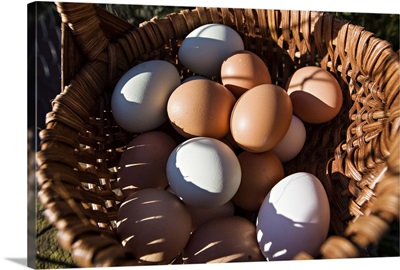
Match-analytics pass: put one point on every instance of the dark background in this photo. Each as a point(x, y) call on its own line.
point(44, 40)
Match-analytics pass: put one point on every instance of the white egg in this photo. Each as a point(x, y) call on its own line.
point(203, 172)
point(194, 77)
point(205, 48)
point(139, 100)
point(294, 217)
point(293, 141)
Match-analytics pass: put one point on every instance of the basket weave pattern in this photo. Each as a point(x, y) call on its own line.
point(355, 155)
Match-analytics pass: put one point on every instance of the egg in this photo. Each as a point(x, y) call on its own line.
point(201, 215)
point(194, 77)
point(293, 141)
point(142, 164)
point(223, 240)
point(147, 225)
point(203, 172)
point(261, 117)
point(140, 97)
point(205, 48)
point(242, 71)
point(260, 172)
point(293, 217)
point(315, 94)
point(201, 107)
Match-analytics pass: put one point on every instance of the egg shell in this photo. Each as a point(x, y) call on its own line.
point(194, 77)
point(261, 118)
point(242, 71)
point(294, 217)
point(205, 48)
point(260, 172)
point(203, 172)
point(293, 141)
point(315, 94)
point(147, 225)
point(201, 215)
point(201, 107)
point(142, 165)
point(223, 240)
point(140, 97)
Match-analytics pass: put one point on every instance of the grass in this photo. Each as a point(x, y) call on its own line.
point(49, 252)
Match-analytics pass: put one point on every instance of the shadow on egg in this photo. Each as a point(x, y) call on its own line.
point(312, 77)
point(281, 238)
point(184, 182)
point(315, 93)
point(210, 252)
point(196, 191)
point(320, 111)
point(236, 90)
point(140, 168)
point(204, 55)
point(147, 228)
point(129, 100)
point(222, 240)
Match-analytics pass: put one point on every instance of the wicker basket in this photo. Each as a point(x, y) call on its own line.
point(355, 155)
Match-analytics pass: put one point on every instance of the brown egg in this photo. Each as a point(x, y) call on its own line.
point(261, 117)
point(316, 95)
point(143, 164)
point(260, 172)
point(242, 71)
point(222, 240)
point(153, 225)
point(202, 215)
point(201, 107)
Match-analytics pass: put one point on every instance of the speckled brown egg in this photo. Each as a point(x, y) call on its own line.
point(316, 95)
point(153, 225)
point(223, 240)
point(242, 71)
point(201, 107)
point(260, 172)
point(261, 117)
point(143, 163)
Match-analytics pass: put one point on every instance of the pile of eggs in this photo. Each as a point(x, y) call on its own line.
point(181, 197)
